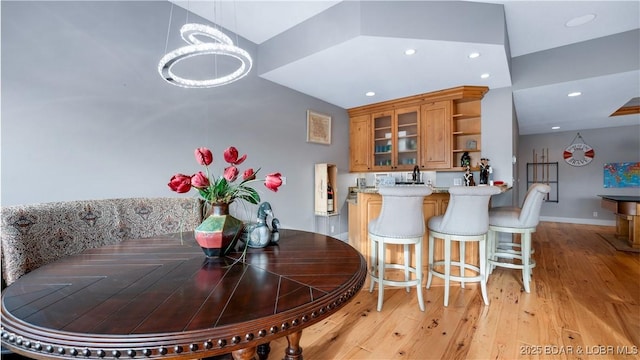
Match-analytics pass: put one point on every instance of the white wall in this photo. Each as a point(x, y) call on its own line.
point(579, 187)
point(497, 139)
point(85, 114)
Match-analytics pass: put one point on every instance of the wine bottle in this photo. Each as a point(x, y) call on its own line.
point(329, 198)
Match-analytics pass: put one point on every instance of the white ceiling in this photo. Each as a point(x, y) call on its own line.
point(342, 73)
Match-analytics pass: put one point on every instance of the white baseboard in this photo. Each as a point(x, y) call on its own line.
point(579, 221)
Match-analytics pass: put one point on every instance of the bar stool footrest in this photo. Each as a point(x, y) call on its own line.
point(532, 263)
point(399, 283)
point(462, 279)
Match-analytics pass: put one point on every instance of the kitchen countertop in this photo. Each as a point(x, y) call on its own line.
point(353, 195)
point(352, 198)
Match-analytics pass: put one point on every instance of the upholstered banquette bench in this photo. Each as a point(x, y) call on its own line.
point(35, 235)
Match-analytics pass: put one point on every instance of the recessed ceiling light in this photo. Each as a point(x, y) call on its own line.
point(555, 127)
point(474, 55)
point(370, 93)
point(573, 94)
point(580, 20)
point(410, 51)
point(485, 76)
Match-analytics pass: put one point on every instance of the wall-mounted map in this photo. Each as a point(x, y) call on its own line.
point(622, 175)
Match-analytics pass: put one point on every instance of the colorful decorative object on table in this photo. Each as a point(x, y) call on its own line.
point(218, 232)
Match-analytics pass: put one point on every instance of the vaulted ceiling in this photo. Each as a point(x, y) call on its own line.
point(339, 50)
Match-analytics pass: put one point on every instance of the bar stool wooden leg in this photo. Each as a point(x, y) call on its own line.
point(482, 246)
point(418, 248)
point(430, 266)
point(462, 261)
point(407, 263)
point(447, 268)
point(381, 271)
point(374, 264)
point(526, 258)
point(491, 248)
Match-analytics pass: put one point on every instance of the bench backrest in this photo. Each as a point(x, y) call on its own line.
point(37, 234)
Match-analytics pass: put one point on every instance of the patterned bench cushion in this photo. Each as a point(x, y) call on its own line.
point(35, 235)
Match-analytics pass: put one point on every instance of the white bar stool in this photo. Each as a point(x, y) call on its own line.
point(466, 219)
point(401, 221)
point(516, 221)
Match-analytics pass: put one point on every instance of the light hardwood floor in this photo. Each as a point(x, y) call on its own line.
point(584, 304)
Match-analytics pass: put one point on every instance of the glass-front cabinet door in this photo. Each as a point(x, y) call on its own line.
point(407, 121)
point(383, 131)
point(395, 139)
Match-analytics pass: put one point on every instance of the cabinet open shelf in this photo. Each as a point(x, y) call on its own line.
point(466, 133)
point(465, 116)
point(465, 150)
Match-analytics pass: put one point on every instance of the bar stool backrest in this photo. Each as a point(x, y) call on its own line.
point(467, 212)
point(401, 215)
point(530, 212)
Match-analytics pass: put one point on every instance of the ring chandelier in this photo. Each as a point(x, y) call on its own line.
point(223, 45)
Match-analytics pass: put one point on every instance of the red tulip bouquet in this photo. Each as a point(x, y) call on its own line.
point(224, 189)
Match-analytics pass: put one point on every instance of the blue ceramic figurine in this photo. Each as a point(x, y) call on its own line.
point(258, 234)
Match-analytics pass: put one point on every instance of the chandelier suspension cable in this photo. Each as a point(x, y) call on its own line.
point(216, 24)
point(186, 19)
point(235, 21)
point(166, 42)
point(221, 45)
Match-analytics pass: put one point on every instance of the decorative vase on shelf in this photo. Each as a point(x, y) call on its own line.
point(218, 232)
point(465, 160)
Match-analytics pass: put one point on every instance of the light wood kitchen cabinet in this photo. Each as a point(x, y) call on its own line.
point(431, 130)
point(436, 136)
point(354, 223)
point(395, 139)
point(360, 143)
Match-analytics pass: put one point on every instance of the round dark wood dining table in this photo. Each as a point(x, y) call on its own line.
point(161, 297)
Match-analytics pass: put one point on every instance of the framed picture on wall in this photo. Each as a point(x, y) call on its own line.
point(622, 175)
point(318, 128)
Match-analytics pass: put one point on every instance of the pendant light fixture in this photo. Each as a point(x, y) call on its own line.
point(221, 45)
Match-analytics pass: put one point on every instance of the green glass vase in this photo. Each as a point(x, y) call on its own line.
point(218, 232)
